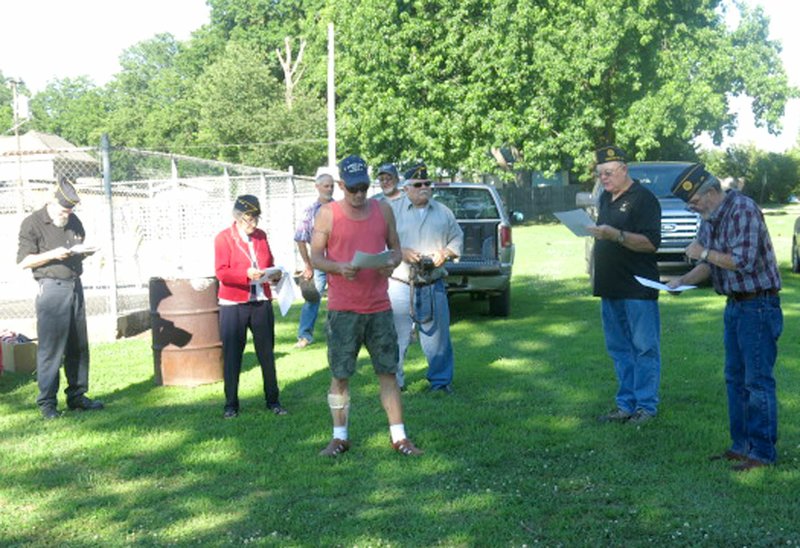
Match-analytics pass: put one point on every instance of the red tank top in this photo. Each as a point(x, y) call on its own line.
point(368, 292)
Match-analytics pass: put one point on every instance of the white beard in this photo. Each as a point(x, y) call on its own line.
point(58, 219)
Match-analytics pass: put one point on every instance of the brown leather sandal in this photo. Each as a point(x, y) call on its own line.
point(406, 447)
point(335, 447)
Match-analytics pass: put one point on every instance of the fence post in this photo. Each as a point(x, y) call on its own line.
point(265, 192)
point(293, 201)
point(105, 147)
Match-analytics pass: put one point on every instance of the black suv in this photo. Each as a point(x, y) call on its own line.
point(678, 224)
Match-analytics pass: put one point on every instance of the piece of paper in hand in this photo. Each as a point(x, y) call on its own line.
point(268, 273)
point(83, 249)
point(577, 220)
point(663, 287)
point(285, 290)
point(371, 260)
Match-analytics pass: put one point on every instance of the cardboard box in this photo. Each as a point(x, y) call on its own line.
point(19, 357)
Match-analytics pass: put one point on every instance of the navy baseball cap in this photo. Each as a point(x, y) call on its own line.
point(389, 169)
point(353, 171)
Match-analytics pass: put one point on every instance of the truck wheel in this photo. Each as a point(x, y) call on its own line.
point(500, 305)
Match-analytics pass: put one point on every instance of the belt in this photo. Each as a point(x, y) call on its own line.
point(739, 297)
point(416, 284)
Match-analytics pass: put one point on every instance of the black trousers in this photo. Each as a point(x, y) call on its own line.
point(234, 320)
point(61, 327)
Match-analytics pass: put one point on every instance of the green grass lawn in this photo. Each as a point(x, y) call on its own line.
point(515, 457)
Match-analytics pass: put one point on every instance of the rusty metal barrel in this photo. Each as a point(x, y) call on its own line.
point(184, 314)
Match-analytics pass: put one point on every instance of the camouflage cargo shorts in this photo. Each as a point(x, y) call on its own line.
point(348, 331)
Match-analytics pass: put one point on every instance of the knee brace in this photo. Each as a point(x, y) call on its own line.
point(337, 401)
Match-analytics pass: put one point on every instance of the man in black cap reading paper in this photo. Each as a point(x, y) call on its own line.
point(51, 245)
point(627, 234)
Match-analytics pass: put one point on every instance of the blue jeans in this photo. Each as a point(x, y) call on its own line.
point(309, 312)
point(752, 329)
point(433, 322)
point(633, 339)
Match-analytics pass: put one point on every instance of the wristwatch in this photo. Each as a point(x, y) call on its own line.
point(621, 237)
point(704, 255)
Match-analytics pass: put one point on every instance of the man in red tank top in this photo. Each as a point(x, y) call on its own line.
point(359, 310)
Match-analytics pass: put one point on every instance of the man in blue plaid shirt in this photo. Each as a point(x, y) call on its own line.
point(324, 182)
point(733, 247)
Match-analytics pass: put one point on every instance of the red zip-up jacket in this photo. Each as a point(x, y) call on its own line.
point(232, 259)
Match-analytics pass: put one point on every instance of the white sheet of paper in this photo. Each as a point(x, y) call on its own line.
point(663, 287)
point(577, 220)
point(371, 260)
point(286, 292)
point(83, 249)
point(285, 288)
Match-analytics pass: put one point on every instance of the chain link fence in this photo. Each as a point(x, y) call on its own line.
point(151, 214)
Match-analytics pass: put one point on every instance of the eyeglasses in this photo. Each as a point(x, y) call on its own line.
point(356, 189)
point(606, 172)
point(421, 184)
point(251, 219)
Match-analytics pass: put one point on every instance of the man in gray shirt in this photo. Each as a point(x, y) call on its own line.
point(390, 184)
point(429, 236)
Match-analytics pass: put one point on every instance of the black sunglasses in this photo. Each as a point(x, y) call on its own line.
point(356, 189)
point(421, 184)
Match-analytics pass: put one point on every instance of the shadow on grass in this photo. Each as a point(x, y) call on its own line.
point(515, 456)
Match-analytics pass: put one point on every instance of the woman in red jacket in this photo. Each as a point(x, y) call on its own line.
point(241, 257)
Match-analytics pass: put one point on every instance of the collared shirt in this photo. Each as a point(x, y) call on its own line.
point(426, 230)
point(637, 211)
point(737, 228)
point(232, 258)
point(256, 290)
point(38, 234)
point(382, 196)
point(306, 225)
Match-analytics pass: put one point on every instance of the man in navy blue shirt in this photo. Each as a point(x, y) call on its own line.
point(627, 234)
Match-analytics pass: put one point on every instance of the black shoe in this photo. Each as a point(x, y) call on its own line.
point(82, 403)
point(277, 409)
point(49, 412)
point(230, 414)
point(445, 389)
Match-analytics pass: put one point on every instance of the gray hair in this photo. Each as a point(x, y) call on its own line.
point(712, 183)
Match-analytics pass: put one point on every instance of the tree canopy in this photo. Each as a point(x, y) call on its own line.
point(437, 80)
point(447, 80)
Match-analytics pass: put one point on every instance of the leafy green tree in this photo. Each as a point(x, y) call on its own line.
point(243, 115)
point(73, 108)
point(264, 24)
point(775, 178)
point(151, 99)
point(767, 176)
point(448, 80)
